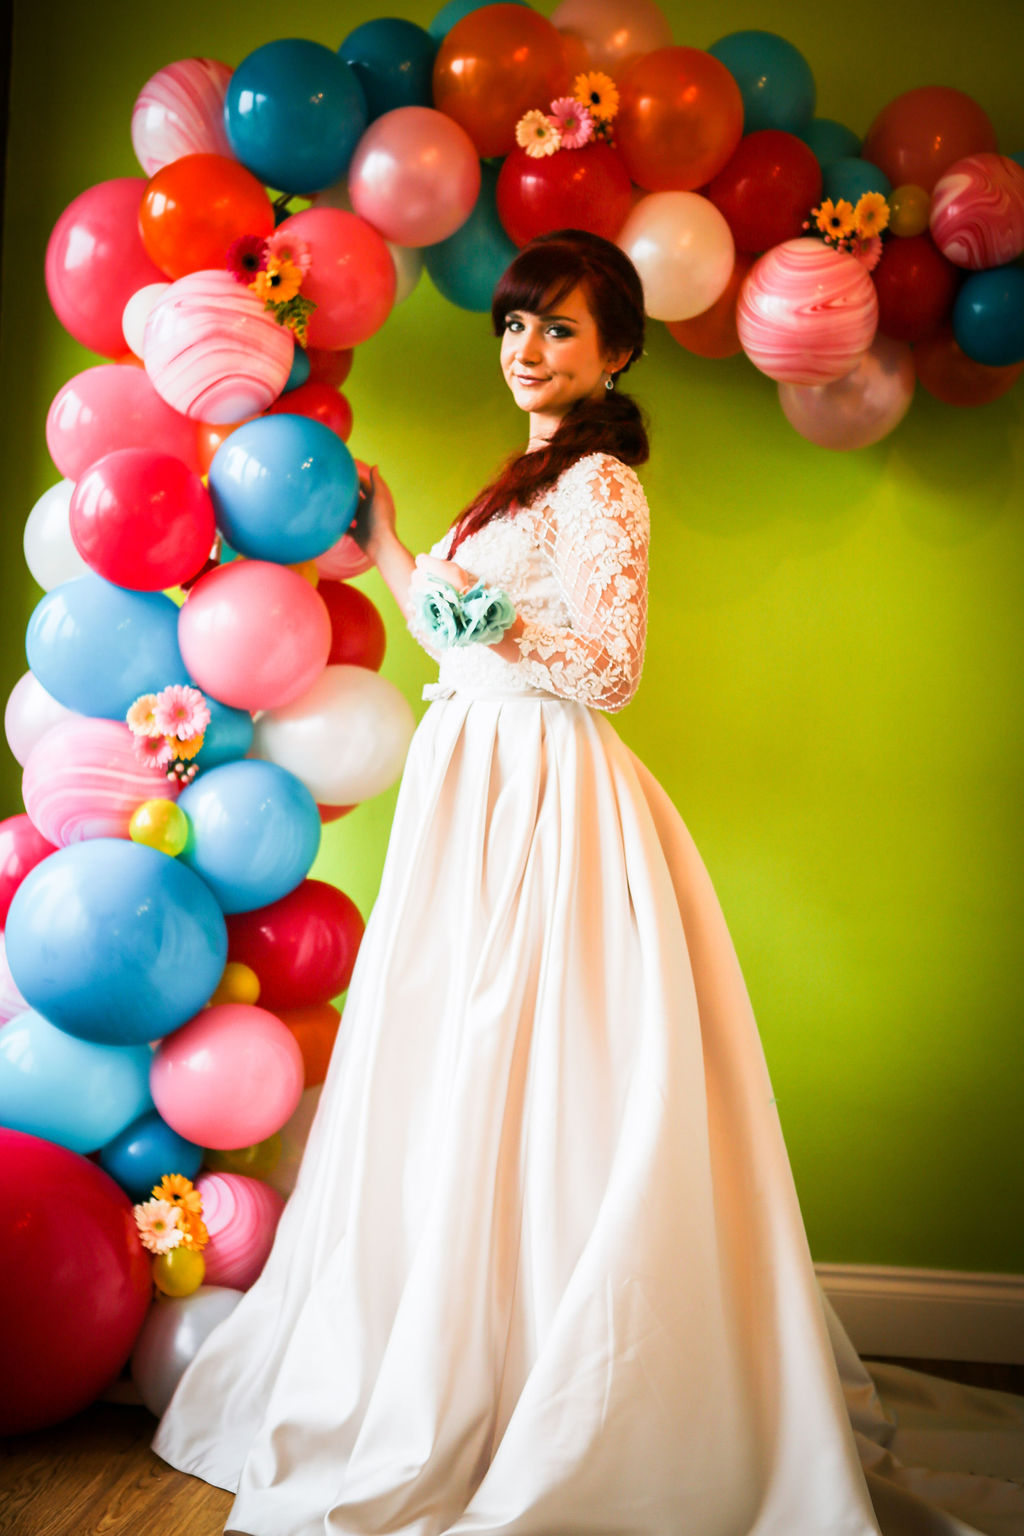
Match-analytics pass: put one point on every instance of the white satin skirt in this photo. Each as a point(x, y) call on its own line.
point(544, 1271)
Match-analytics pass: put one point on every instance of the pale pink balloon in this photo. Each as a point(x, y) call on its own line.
point(977, 211)
point(29, 714)
point(806, 313)
point(229, 1077)
point(684, 251)
point(83, 780)
point(213, 352)
point(254, 635)
point(95, 261)
point(415, 176)
point(180, 111)
point(343, 560)
point(613, 32)
point(11, 1001)
point(352, 280)
point(862, 407)
point(114, 406)
point(241, 1215)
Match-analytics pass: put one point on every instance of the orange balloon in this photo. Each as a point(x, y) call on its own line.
point(956, 379)
point(713, 334)
point(329, 813)
point(613, 32)
point(315, 1030)
point(494, 65)
point(920, 134)
point(680, 119)
point(194, 208)
point(209, 436)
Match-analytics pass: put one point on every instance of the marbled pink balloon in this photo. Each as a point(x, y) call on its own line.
point(860, 408)
point(977, 212)
point(83, 780)
point(806, 313)
point(241, 1216)
point(212, 352)
point(180, 111)
point(11, 1000)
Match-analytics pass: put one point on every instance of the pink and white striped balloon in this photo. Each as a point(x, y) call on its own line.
point(11, 1001)
point(82, 779)
point(180, 111)
point(806, 313)
point(241, 1216)
point(977, 212)
point(212, 352)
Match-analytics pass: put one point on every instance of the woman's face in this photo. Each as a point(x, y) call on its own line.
point(552, 360)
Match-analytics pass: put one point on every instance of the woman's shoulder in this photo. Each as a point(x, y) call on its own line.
point(600, 479)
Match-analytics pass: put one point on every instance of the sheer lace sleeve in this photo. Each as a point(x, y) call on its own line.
point(594, 529)
point(415, 628)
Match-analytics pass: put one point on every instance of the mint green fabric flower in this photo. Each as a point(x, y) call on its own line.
point(477, 617)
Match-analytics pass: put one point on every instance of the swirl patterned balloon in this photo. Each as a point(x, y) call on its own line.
point(180, 111)
point(212, 352)
point(241, 1216)
point(83, 780)
point(806, 313)
point(977, 212)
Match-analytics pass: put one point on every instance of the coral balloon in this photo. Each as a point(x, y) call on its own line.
point(302, 948)
point(977, 211)
point(909, 210)
point(916, 287)
point(946, 372)
point(579, 189)
point(210, 435)
point(180, 111)
point(713, 332)
point(142, 519)
point(195, 208)
point(315, 1030)
point(414, 176)
point(352, 279)
point(920, 134)
point(766, 189)
point(113, 406)
point(680, 119)
point(613, 32)
point(358, 636)
point(29, 713)
point(495, 64)
point(806, 314)
point(83, 779)
point(170, 1340)
point(22, 847)
point(860, 408)
point(241, 1216)
point(682, 247)
point(320, 402)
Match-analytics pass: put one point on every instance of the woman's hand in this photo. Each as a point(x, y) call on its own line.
point(375, 514)
point(446, 570)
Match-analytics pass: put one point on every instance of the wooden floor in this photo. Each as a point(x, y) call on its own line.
point(96, 1475)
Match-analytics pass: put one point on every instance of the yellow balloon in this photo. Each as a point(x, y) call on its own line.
point(178, 1272)
point(159, 824)
point(909, 208)
point(308, 571)
point(257, 1161)
point(239, 984)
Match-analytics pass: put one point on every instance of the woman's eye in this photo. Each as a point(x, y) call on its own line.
point(559, 331)
point(513, 325)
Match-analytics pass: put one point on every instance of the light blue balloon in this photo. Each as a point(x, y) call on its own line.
point(299, 372)
point(140, 1155)
point(830, 140)
point(466, 266)
point(254, 831)
point(284, 488)
point(228, 735)
point(70, 1091)
point(95, 647)
point(774, 78)
point(850, 177)
point(454, 11)
point(393, 61)
point(294, 113)
point(115, 942)
point(988, 316)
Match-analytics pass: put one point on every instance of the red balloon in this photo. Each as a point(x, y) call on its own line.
point(768, 189)
point(352, 280)
point(21, 849)
point(75, 1282)
point(916, 287)
point(329, 367)
point(142, 519)
point(713, 333)
point(573, 189)
point(680, 119)
point(196, 207)
point(956, 379)
point(919, 135)
point(320, 402)
point(495, 64)
point(329, 813)
point(358, 636)
point(302, 948)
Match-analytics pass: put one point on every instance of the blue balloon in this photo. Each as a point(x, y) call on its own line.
point(988, 316)
point(774, 78)
point(115, 942)
point(466, 266)
point(144, 1151)
point(454, 11)
point(393, 61)
point(69, 1091)
point(300, 370)
point(850, 177)
point(284, 488)
point(254, 831)
point(294, 113)
point(95, 647)
point(228, 735)
point(830, 140)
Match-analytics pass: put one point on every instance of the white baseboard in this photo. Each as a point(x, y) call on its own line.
point(928, 1314)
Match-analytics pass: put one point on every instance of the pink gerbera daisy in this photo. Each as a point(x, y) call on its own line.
point(181, 711)
point(153, 751)
point(868, 252)
point(157, 1221)
point(246, 256)
point(574, 121)
point(282, 245)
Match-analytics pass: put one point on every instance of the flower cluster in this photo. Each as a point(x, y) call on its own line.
point(274, 269)
point(854, 229)
point(168, 729)
point(173, 1218)
point(572, 121)
point(477, 617)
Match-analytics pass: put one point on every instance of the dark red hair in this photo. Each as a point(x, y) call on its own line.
point(543, 273)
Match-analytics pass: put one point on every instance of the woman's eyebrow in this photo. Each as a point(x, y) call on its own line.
point(517, 314)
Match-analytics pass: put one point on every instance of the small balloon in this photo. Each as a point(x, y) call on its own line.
point(806, 314)
point(303, 947)
point(255, 1162)
point(909, 208)
point(178, 1272)
point(241, 1215)
point(144, 1151)
point(170, 1339)
point(988, 316)
point(159, 824)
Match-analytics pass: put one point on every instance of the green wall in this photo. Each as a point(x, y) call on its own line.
point(832, 692)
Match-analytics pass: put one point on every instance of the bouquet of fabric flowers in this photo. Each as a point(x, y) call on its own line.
point(477, 617)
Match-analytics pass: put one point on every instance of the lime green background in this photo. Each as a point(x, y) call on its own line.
point(832, 694)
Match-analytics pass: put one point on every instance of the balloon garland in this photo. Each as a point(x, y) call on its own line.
point(203, 689)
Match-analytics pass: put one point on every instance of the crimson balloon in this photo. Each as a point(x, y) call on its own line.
point(141, 519)
point(303, 947)
point(320, 402)
point(573, 189)
point(767, 190)
point(358, 636)
point(22, 847)
point(946, 372)
point(916, 287)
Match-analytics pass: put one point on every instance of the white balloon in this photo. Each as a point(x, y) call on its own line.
point(346, 738)
point(170, 1337)
point(29, 714)
point(136, 313)
point(408, 266)
point(11, 1001)
point(684, 251)
point(50, 552)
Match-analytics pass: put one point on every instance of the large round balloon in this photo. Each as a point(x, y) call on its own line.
point(74, 1284)
point(74, 1092)
point(144, 1151)
point(767, 189)
point(862, 407)
point(84, 779)
point(977, 211)
point(806, 314)
point(774, 78)
point(683, 250)
point(916, 287)
point(113, 406)
point(22, 847)
point(493, 66)
point(352, 280)
point(29, 713)
point(241, 1216)
point(195, 208)
point(465, 267)
point(142, 519)
point(170, 1338)
point(50, 552)
point(988, 316)
point(576, 189)
point(303, 948)
point(180, 111)
point(358, 636)
point(946, 372)
point(115, 942)
point(393, 61)
point(414, 176)
point(680, 119)
point(920, 134)
point(613, 33)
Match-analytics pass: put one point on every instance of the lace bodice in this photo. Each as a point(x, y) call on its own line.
point(575, 566)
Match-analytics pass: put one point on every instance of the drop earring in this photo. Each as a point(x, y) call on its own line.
point(609, 382)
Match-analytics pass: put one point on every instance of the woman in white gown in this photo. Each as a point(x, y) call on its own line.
point(544, 1271)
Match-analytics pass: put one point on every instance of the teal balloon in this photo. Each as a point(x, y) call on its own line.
point(466, 266)
point(140, 1155)
point(115, 942)
point(95, 647)
point(454, 11)
point(988, 316)
point(850, 177)
point(299, 372)
point(74, 1092)
point(228, 735)
point(830, 140)
point(393, 61)
point(774, 78)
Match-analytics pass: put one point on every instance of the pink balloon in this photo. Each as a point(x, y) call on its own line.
point(29, 714)
point(343, 560)
point(254, 635)
point(352, 281)
point(613, 32)
point(806, 314)
point(83, 780)
point(180, 111)
point(11, 1001)
point(95, 261)
point(862, 407)
point(977, 211)
point(213, 352)
point(113, 406)
point(415, 176)
point(22, 847)
point(229, 1077)
point(142, 519)
point(241, 1215)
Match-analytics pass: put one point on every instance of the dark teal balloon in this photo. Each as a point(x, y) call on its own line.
point(850, 177)
point(830, 140)
point(466, 266)
point(988, 316)
point(454, 11)
point(144, 1151)
point(228, 735)
point(774, 78)
point(393, 61)
point(299, 372)
point(294, 113)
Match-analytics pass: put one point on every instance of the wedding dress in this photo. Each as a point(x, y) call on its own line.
point(544, 1271)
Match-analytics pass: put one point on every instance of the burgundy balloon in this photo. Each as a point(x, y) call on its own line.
point(21, 849)
point(916, 287)
point(574, 189)
point(767, 189)
point(358, 635)
point(303, 948)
